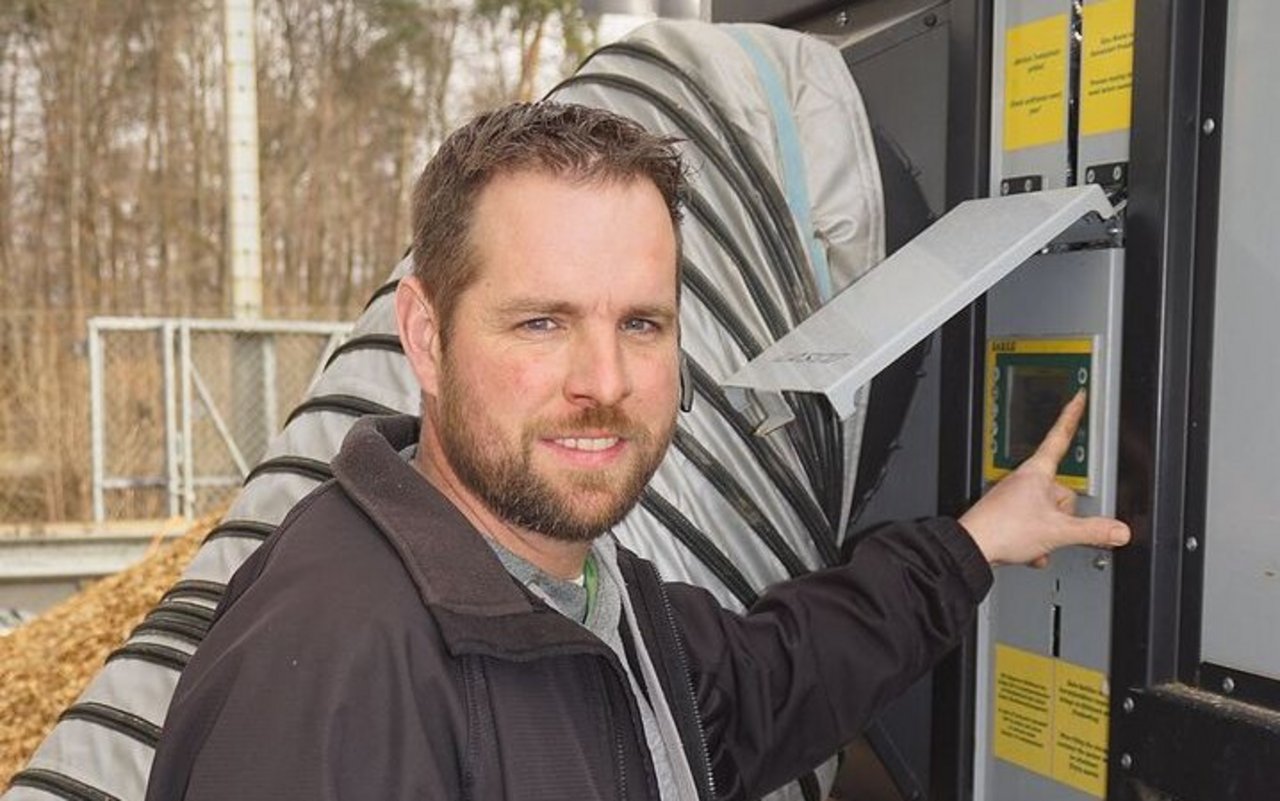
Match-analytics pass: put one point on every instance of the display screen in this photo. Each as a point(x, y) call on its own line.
point(1036, 394)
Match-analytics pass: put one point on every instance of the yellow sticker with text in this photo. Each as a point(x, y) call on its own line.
point(1051, 718)
point(1106, 67)
point(1024, 709)
point(1035, 83)
point(1080, 715)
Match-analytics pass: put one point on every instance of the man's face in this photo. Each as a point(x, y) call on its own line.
point(559, 377)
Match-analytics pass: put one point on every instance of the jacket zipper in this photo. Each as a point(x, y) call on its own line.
point(682, 661)
point(620, 758)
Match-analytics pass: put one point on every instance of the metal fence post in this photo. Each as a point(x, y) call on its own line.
point(188, 458)
point(96, 444)
point(172, 438)
point(270, 398)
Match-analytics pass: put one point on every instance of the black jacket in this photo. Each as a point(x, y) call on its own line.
point(375, 648)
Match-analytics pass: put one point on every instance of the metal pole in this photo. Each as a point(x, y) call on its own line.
point(270, 398)
point(96, 420)
point(171, 435)
point(243, 212)
point(188, 466)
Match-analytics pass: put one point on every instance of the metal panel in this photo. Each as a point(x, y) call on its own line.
point(1102, 150)
point(1077, 292)
point(1242, 535)
point(914, 292)
point(904, 86)
point(1169, 265)
point(1044, 29)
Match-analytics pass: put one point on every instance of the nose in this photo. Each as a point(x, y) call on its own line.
point(598, 374)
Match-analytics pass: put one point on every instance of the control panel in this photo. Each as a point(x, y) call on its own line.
point(1053, 326)
point(1029, 380)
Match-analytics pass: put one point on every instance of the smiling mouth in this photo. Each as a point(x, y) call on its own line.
point(587, 444)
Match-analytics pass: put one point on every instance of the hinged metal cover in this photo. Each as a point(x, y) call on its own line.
point(917, 289)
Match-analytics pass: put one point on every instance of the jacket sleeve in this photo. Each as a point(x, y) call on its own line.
point(788, 684)
point(308, 687)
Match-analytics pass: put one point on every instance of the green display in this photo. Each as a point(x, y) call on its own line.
point(1029, 382)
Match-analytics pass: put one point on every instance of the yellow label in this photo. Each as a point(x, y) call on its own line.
point(991, 473)
point(1051, 718)
point(1035, 83)
point(1106, 67)
point(1024, 709)
point(1039, 345)
point(1080, 728)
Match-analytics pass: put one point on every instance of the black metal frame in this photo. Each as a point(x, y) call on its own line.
point(959, 460)
point(1178, 727)
point(1167, 738)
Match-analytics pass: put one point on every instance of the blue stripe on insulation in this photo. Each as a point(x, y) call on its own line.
point(794, 178)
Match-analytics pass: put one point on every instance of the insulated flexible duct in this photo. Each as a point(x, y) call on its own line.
point(785, 210)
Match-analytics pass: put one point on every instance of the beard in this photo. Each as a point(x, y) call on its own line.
point(501, 473)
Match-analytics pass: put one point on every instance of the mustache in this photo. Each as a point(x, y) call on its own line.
point(609, 418)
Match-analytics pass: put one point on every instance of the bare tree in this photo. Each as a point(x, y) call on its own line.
point(112, 160)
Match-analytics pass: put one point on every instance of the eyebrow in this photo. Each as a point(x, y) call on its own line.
point(521, 306)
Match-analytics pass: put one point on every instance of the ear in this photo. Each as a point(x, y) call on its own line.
point(417, 325)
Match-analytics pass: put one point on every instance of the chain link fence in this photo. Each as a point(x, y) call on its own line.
point(44, 417)
point(182, 409)
point(135, 418)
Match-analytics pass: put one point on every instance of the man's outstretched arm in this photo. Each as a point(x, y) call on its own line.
point(800, 675)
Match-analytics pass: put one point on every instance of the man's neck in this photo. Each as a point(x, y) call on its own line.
point(555, 557)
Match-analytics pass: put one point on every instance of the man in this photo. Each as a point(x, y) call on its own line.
point(448, 618)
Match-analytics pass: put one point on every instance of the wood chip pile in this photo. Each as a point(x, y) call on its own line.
point(46, 663)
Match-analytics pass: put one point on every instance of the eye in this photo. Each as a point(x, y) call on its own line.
point(538, 325)
point(640, 325)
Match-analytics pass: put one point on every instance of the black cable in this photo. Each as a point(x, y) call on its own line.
point(791, 279)
point(386, 289)
point(387, 342)
point(350, 405)
point(173, 623)
point(247, 529)
point(59, 784)
point(740, 499)
point(747, 157)
point(810, 515)
point(728, 319)
point(800, 436)
point(705, 291)
point(702, 211)
point(297, 465)
point(208, 590)
point(156, 654)
point(126, 723)
point(700, 545)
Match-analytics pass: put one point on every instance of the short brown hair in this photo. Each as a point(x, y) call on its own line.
point(579, 142)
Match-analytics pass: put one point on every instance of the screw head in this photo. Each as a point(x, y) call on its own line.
point(1228, 685)
point(1193, 544)
point(1209, 126)
point(1101, 561)
point(1128, 705)
point(1126, 761)
point(842, 19)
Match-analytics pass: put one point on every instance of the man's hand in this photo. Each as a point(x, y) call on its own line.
point(1028, 514)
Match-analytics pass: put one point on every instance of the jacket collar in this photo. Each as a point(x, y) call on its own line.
point(458, 576)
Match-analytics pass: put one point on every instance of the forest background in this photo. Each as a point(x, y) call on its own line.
point(112, 186)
